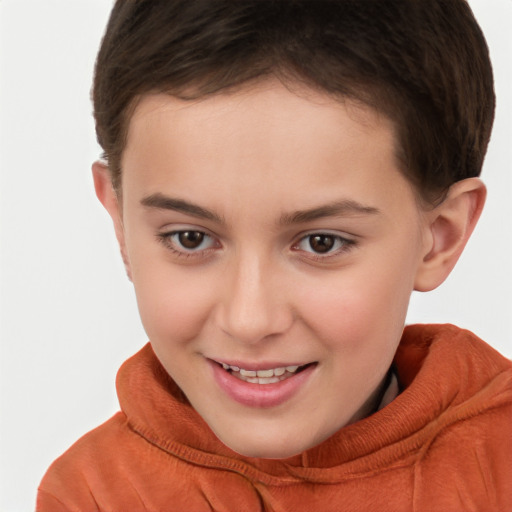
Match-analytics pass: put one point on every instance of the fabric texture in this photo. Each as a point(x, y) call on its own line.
point(443, 444)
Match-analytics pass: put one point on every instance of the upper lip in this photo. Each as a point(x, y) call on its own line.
point(258, 365)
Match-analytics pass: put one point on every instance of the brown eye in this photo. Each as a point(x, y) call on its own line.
point(324, 245)
point(189, 243)
point(190, 239)
point(321, 243)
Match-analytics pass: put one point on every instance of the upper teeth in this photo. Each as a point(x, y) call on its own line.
point(271, 372)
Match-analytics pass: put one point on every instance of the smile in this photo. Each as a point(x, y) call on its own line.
point(270, 376)
point(264, 387)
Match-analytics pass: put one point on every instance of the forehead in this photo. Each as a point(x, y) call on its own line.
point(289, 141)
point(258, 107)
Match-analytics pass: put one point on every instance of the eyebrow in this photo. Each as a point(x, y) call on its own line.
point(336, 209)
point(161, 202)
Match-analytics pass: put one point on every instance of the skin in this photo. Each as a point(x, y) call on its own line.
point(256, 290)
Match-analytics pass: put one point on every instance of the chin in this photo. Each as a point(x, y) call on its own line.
point(265, 452)
point(266, 448)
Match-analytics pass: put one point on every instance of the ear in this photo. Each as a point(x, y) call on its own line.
point(449, 227)
point(109, 199)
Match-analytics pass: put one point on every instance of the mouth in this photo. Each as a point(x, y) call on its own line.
point(261, 385)
point(266, 376)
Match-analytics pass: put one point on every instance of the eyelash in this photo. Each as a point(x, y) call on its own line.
point(169, 243)
point(345, 244)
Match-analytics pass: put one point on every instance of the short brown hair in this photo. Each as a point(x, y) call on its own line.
point(423, 63)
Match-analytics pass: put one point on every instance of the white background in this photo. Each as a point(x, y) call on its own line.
point(68, 315)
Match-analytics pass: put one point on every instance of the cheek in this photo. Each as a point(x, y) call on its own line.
point(173, 305)
point(360, 311)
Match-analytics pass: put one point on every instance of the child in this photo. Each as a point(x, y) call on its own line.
point(281, 176)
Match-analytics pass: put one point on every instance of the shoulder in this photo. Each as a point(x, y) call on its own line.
point(101, 471)
point(470, 458)
point(70, 480)
point(467, 454)
point(113, 467)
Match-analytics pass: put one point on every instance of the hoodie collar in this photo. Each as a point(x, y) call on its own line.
point(444, 373)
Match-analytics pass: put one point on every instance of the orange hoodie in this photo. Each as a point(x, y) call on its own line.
point(444, 445)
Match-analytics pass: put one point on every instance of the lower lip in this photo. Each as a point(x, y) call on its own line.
point(260, 395)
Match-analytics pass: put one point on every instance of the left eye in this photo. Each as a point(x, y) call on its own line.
point(323, 243)
point(190, 241)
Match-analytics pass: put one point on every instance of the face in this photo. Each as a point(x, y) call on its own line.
point(273, 245)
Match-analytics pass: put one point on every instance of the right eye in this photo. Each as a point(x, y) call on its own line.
point(188, 242)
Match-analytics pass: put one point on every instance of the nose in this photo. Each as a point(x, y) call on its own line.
point(255, 305)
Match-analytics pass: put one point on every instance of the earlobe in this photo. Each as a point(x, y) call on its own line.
point(450, 225)
point(108, 198)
